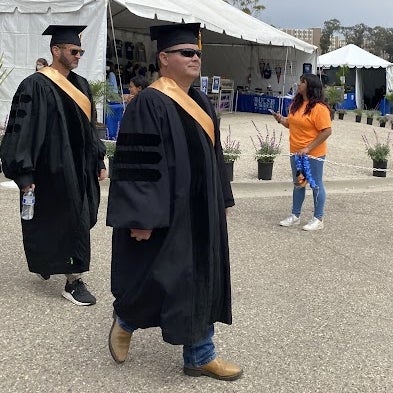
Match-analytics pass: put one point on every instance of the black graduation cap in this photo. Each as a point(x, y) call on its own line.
point(170, 35)
point(64, 34)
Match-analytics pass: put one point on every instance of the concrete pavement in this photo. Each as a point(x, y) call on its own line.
point(312, 311)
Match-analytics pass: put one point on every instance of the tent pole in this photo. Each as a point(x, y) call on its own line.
point(117, 58)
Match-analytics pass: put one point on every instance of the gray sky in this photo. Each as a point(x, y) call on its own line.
point(306, 13)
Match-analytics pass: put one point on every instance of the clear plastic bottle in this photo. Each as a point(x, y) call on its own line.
point(28, 201)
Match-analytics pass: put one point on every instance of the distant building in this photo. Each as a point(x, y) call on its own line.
point(313, 36)
point(336, 42)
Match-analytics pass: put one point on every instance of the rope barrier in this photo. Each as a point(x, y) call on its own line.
point(328, 162)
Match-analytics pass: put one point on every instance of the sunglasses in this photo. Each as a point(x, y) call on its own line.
point(186, 52)
point(74, 52)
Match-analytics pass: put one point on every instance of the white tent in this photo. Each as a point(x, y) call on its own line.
point(233, 43)
point(354, 57)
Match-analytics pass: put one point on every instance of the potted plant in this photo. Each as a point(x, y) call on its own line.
point(102, 95)
point(370, 116)
point(382, 120)
point(358, 115)
point(333, 95)
point(231, 151)
point(266, 150)
point(3, 71)
point(341, 113)
point(379, 153)
point(110, 152)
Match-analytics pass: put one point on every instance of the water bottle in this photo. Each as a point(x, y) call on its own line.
point(28, 201)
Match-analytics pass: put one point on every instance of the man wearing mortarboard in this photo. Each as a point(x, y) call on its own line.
point(167, 206)
point(51, 146)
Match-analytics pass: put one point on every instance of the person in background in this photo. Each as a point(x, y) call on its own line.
point(309, 126)
point(135, 70)
point(40, 63)
point(167, 206)
point(111, 77)
point(152, 73)
point(51, 146)
point(137, 84)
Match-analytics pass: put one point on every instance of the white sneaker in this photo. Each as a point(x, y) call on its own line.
point(313, 225)
point(289, 221)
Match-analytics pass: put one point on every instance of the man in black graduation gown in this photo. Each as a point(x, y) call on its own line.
point(167, 201)
point(51, 146)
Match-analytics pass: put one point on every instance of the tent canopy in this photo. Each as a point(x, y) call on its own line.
point(364, 62)
point(214, 15)
point(353, 57)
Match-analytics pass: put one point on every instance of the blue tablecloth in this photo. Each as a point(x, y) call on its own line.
point(113, 119)
point(349, 101)
point(385, 106)
point(258, 103)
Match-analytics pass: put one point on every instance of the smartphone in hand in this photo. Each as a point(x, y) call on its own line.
point(272, 111)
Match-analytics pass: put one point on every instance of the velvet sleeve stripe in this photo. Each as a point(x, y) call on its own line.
point(18, 98)
point(130, 174)
point(138, 139)
point(137, 157)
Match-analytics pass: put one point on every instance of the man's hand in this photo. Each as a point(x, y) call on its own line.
point(27, 188)
point(141, 234)
point(102, 175)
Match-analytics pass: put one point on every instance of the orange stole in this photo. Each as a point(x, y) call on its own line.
point(170, 88)
point(81, 100)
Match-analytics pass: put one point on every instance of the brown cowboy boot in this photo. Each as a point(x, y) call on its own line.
point(119, 342)
point(218, 369)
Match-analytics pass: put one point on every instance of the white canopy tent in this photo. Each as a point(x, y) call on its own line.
point(354, 57)
point(234, 43)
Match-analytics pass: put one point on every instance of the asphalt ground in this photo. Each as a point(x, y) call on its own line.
point(312, 310)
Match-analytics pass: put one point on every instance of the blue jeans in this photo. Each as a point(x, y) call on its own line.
point(195, 355)
point(319, 193)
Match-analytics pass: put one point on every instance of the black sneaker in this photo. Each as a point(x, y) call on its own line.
point(43, 276)
point(77, 293)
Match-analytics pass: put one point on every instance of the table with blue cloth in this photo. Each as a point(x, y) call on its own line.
point(113, 119)
point(349, 101)
point(260, 103)
point(385, 106)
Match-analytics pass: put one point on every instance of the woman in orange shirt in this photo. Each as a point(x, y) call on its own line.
point(309, 124)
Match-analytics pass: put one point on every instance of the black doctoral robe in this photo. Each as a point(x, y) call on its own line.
point(50, 142)
point(167, 176)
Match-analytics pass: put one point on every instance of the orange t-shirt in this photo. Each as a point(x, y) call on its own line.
point(303, 129)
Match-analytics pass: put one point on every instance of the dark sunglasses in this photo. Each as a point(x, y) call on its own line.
point(74, 52)
point(186, 52)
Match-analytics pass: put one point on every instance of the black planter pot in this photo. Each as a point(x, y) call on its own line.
point(370, 121)
point(341, 116)
point(265, 170)
point(382, 124)
point(229, 170)
point(358, 118)
point(380, 165)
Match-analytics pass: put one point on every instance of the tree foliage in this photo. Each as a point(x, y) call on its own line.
point(356, 34)
point(329, 28)
point(250, 7)
point(377, 40)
